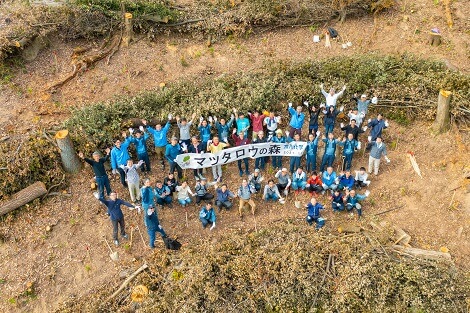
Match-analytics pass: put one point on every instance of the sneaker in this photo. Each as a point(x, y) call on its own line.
point(125, 236)
point(116, 242)
point(241, 174)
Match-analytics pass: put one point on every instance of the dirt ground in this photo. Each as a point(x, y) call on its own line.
point(72, 259)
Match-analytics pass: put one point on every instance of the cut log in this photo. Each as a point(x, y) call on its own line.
point(401, 237)
point(128, 30)
point(22, 197)
point(424, 254)
point(442, 122)
point(127, 281)
point(70, 160)
point(349, 229)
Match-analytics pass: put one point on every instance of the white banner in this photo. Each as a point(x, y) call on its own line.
point(253, 151)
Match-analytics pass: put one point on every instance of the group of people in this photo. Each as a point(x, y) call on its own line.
point(214, 135)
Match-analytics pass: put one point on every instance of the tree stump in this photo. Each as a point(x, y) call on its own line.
point(128, 30)
point(70, 160)
point(442, 122)
point(434, 39)
point(22, 197)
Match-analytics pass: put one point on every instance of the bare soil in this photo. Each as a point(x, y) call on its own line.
point(72, 259)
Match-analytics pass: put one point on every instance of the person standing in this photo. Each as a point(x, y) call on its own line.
point(271, 122)
point(363, 104)
point(311, 151)
point(277, 159)
point(223, 198)
point(153, 226)
point(377, 125)
point(330, 149)
point(257, 122)
point(115, 214)
point(207, 215)
point(101, 177)
point(378, 149)
point(260, 162)
point(133, 179)
point(147, 194)
point(295, 161)
point(330, 118)
point(223, 127)
point(185, 130)
point(243, 124)
point(353, 129)
point(241, 140)
point(349, 146)
point(140, 142)
point(204, 131)
point(215, 147)
point(119, 156)
point(331, 97)
point(244, 193)
point(173, 149)
point(159, 138)
point(313, 121)
point(196, 147)
point(296, 121)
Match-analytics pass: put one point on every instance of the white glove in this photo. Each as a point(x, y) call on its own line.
point(287, 133)
point(387, 159)
point(306, 103)
point(367, 193)
point(342, 125)
point(386, 123)
point(369, 120)
point(97, 195)
point(213, 226)
point(375, 100)
point(322, 105)
point(184, 146)
point(210, 119)
point(336, 180)
point(321, 86)
point(141, 128)
point(232, 116)
point(249, 113)
point(170, 116)
point(358, 145)
point(341, 108)
point(131, 130)
point(262, 178)
point(114, 171)
point(308, 185)
point(286, 191)
point(290, 104)
point(344, 87)
point(369, 138)
point(364, 128)
point(215, 118)
point(318, 133)
point(201, 119)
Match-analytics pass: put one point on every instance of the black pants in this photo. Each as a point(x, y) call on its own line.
point(207, 196)
point(197, 172)
point(281, 187)
point(122, 175)
point(315, 188)
point(174, 165)
point(115, 228)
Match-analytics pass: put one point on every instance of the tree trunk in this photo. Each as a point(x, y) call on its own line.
point(423, 254)
point(442, 122)
point(128, 30)
point(22, 197)
point(434, 39)
point(70, 160)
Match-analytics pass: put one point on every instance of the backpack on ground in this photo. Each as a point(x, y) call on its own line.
point(171, 244)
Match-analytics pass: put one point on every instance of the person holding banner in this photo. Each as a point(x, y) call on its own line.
point(294, 162)
point(284, 180)
point(241, 140)
point(243, 124)
point(215, 147)
point(173, 149)
point(260, 161)
point(296, 121)
point(196, 147)
point(312, 147)
point(244, 192)
point(277, 159)
point(330, 150)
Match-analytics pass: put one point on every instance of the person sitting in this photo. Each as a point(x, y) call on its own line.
point(313, 213)
point(283, 180)
point(361, 178)
point(314, 184)
point(337, 201)
point(163, 195)
point(255, 180)
point(329, 179)
point(207, 215)
point(201, 191)
point(183, 194)
point(171, 182)
point(244, 193)
point(223, 198)
point(346, 181)
point(352, 201)
point(271, 192)
point(299, 180)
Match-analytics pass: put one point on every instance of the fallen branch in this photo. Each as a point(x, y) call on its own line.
point(424, 254)
point(183, 22)
point(330, 258)
point(386, 211)
point(127, 281)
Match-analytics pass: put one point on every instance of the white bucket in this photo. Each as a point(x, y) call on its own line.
point(316, 38)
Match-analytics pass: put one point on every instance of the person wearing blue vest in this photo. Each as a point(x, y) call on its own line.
point(223, 127)
point(204, 131)
point(296, 121)
point(243, 123)
point(207, 215)
point(163, 195)
point(277, 159)
point(119, 156)
point(294, 162)
point(352, 201)
point(330, 150)
point(349, 146)
point(147, 194)
point(329, 180)
point(153, 225)
point(311, 151)
point(139, 141)
point(159, 138)
point(173, 149)
point(313, 213)
point(346, 181)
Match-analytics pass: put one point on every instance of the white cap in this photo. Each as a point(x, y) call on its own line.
point(363, 96)
point(284, 169)
point(256, 170)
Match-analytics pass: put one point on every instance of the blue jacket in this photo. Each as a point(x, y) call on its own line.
point(160, 191)
point(337, 199)
point(314, 210)
point(119, 156)
point(376, 128)
point(159, 136)
point(205, 132)
point(208, 215)
point(347, 182)
point(224, 196)
point(242, 125)
point(140, 143)
point(152, 221)
point(349, 146)
point(171, 152)
point(278, 140)
point(148, 195)
point(192, 148)
point(114, 208)
point(330, 117)
point(328, 179)
point(296, 120)
point(299, 179)
point(330, 146)
point(354, 200)
point(312, 147)
point(223, 130)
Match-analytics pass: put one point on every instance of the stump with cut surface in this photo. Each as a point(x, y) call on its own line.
point(434, 39)
point(22, 197)
point(70, 160)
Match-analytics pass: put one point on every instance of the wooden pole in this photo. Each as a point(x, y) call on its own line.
point(128, 30)
point(70, 160)
point(22, 197)
point(442, 122)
